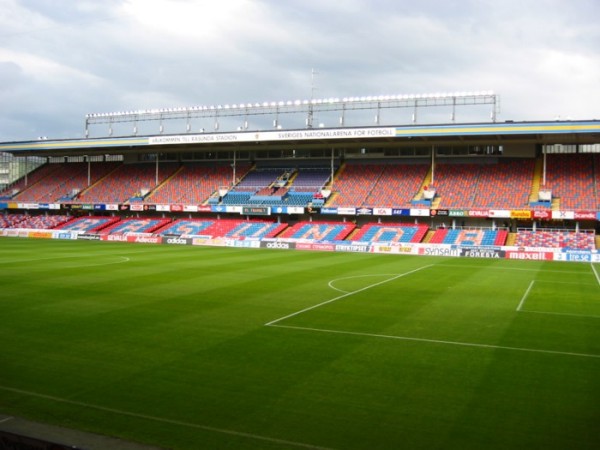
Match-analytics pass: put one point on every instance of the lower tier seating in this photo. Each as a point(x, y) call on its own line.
point(392, 232)
point(89, 224)
point(321, 231)
point(474, 237)
point(223, 228)
point(135, 225)
point(556, 239)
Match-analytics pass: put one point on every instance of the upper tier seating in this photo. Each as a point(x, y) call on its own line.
point(259, 178)
point(597, 180)
point(556, 239)
point(397, 185)
point(127, 182)
point(391, 232)
point(378, 185)
point(456, 184)
point(266, 187)
point(89, 224)
point(311, 179)
point(29, 180)
point(194, 183)
point(506, 184)
point(254, 181)
point(355, 183)
point(319, 231)
point(65, 179)
point(571, 178)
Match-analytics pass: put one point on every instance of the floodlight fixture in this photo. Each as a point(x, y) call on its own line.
point(303, 106)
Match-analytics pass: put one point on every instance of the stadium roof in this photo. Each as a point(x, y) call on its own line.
point(543, 132)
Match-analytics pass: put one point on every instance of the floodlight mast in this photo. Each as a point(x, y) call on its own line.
point(309, 118)
point(275, 109)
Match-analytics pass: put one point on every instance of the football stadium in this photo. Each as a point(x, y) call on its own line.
point(249, 276)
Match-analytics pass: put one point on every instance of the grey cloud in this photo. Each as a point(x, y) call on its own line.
point(541, 60)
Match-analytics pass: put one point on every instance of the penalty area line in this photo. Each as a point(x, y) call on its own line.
point(522, 302)
point(347, 294)
point(595, 273)
point(165, 420)
point(438, 341)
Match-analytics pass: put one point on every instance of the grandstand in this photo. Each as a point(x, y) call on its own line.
point(439, 184)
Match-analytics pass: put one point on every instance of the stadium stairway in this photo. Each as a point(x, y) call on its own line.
point(331, 198)
point(290, 181)
point(598, 242)
point(510, 240)
point(426, 182)
point(331, 183)
point(428, 236)
point(537, 180)
point(555, 204)
point(353, 233)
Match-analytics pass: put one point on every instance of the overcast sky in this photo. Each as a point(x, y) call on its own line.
point(62, 59)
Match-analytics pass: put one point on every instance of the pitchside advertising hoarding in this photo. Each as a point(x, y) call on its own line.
point(288, 210)
point(496, 252)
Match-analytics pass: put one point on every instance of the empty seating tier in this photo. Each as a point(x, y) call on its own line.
point(135, 225)
point(193, 184)
point(400, 232)
point(43, 222)
point(556, 239)
point(128, 182)
point(66, 181)
point(90, 224)
point(571, 178)
point(470, 237)
point(233, 228)
point(319, 231)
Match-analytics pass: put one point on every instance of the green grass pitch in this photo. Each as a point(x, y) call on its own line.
point(221, 348)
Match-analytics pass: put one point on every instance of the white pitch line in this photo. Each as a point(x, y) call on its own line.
point(54, 258)
point(525, 295)
point(346, 295)
point(331, 283)
point(595, 273)
point(439, 341)
point(6, 419)
point(516, 269)
point(559, 314)
point(167, 421)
